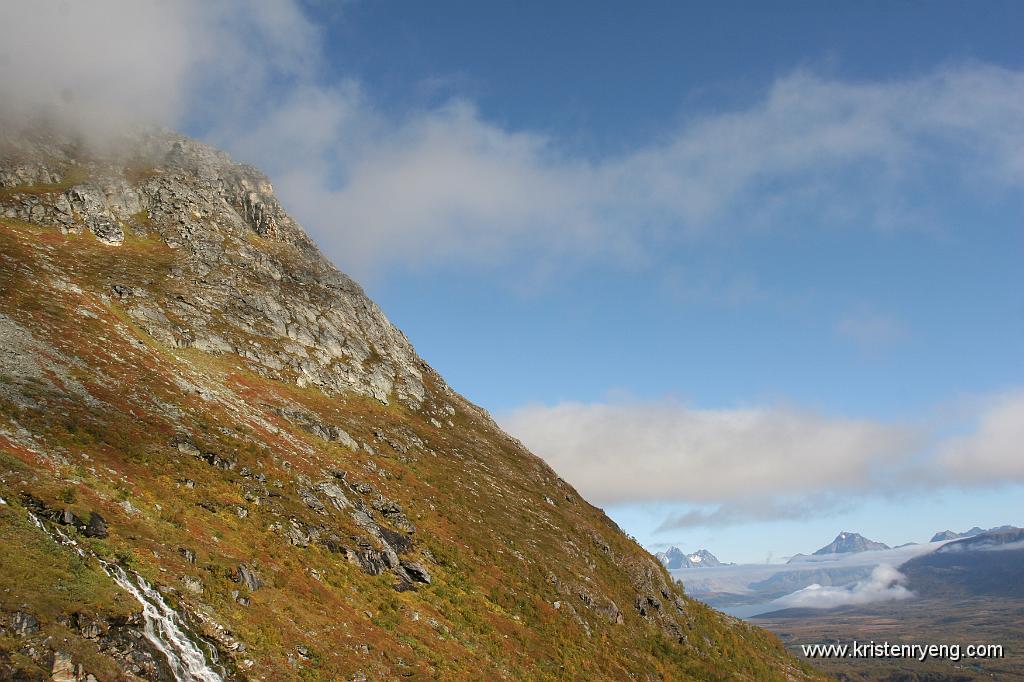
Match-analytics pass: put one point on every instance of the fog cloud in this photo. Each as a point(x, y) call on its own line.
point(96, 68)
point(885, 584)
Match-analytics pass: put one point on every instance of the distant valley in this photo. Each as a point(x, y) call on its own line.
point(961, 587)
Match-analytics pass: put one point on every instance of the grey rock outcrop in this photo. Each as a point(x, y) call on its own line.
point(248, 577)
point(316, 326)
point(23, 623)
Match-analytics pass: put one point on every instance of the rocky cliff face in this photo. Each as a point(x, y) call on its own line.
point(191, 391)
point(246, 280)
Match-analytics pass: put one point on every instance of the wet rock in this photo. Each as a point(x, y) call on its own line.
point(66, 517)
point(90, 627)
point(416, 571)
point(400, 542)
point(97, 526)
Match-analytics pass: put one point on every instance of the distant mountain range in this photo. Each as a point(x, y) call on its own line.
point(676, 558)
point(993, 538)
point(950, 535)
point(988, 563)
point(845, 542)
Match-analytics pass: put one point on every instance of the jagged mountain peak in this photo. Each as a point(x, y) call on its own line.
point(976, 530)
point(674, 558)
point(846, 542)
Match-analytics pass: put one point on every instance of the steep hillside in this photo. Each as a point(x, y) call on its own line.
point(192, 396)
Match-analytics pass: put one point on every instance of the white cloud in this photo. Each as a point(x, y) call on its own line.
point(994, 452)
point(631, 452)
point(884, 584)
point(439, 187)
point(733, 466)
point(443, 184)
point(872, 331)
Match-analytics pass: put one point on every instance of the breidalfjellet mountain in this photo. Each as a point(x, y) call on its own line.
point(220, 461)
point(846, 543)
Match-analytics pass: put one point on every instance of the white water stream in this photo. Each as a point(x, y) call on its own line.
point(163, 626)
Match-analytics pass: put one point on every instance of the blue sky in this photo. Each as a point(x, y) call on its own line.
point(893, 323)
point(746, 275)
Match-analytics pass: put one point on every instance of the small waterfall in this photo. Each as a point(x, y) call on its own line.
point(163, 626)
point(165, 629)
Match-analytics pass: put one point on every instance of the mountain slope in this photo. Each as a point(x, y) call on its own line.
point(189, 390)
point(990, 563)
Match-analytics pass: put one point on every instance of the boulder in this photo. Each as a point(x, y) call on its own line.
point(97, 526)
point(416, 571)
point(248, 577)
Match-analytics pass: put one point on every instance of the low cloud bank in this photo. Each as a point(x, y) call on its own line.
point(735, 465)
point(663, 451)
point(885, 584)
